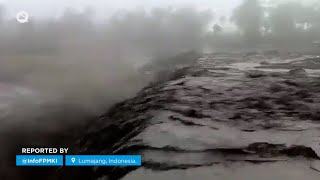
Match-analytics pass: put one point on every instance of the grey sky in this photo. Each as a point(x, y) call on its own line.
point(53, 8)
point(48, 8)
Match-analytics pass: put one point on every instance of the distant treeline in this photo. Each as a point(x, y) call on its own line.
point(291, 24)
point(161, 31)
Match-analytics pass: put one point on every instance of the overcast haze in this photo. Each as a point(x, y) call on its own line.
point(104, 8)
point(45, 8)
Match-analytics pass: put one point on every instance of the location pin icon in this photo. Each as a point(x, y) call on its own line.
point(73, 160)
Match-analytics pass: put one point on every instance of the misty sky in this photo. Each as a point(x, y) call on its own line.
point(42, 9)
point(49, 8)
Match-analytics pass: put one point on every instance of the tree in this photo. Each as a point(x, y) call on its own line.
point(217, 29)
point(283, 19)
point(248, 18)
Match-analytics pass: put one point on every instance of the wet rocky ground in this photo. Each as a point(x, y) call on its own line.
point(224, 116)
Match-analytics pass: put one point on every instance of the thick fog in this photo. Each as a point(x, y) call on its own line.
point(58, 72)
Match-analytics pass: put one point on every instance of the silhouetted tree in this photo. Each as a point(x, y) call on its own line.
point(217, 29)
point(283, 19)
point(248, 18)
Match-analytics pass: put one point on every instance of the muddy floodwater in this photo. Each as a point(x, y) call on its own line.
point(224, 116)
